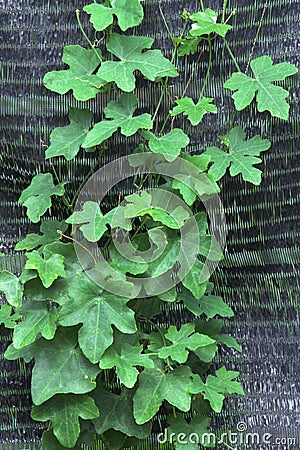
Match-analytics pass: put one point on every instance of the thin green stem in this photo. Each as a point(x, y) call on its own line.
point(202, 6)
point(78, 243)
point(224, 10)
point(165, 21)
point(208, 68)
point(86, 36)
point(231, 55)
point(257, 34)
point(65, 198)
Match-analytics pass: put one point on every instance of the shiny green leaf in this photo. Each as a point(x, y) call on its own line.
point(49, 269)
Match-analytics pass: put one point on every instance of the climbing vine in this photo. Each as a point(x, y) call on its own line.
point(105, 362)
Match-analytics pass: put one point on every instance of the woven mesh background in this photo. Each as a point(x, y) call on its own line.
point(260, 275)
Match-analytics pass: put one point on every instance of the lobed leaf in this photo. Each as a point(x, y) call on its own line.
point(12, 288)
point(194, 112)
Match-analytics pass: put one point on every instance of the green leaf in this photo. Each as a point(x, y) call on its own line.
point(121, 114)
point(60, 367)
point(194, 112)
point(8, 319)
point(182, 341)
point(215, 387)
point(37, 196)
point(49, 442)
point(129, 13)
point(38, 320)
point(210, 305)
point(94, 222)
point(192, 280)
point(206, 23)
point(212, 328)
point(197, 427)
point(49, 269)
point(79, 77)
point(64, 412)
point(269, 96)
point(97, 311)
point(125, 362)
point(189, 45)
point(170, 144)
point(49, 234)
point(129, 50)
point(116, 413)
point(241, 157)
point(123, 265)
point(12, 288)
point(67, 140)
point(1, 254)
point(156, 386)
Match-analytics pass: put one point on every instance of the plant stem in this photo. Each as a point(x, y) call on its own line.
point(65, 198)
point(86, 36)
point(224, 10)
point(208, 68)
point(257, 34)
point(231, 55)
point(202, 6)
point(81, 245)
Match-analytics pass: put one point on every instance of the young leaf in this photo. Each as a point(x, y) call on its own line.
point(8, 319)
point(125, 362)
point(210, 305)
point(182, 341)
point(12, 288)
point(38, 319)
point(49, 234)
point(193, 430)
point(189, 45)
point(94, 222)
point(192, 280)
point(206, 23)
point(155, 386)
point(37, 196)
point(170, 144)
point(64, 412)
point(121, 114)
point(194, 112)
point(215, 386)
point(241, 156)
point(116, 413)
point(49, 269)
point(97, 311)
point(67, 140)
point(60, 367)
point(82, 64)
point(269, 96)
point(129, 49)
point(129, 13)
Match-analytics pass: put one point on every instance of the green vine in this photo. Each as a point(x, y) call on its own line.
point(104, 361)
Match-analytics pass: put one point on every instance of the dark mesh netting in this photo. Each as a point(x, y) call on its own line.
point(259, 277)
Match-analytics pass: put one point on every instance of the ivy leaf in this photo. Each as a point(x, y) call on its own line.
point(13, 354)
point(156, 386)
point(37, 196)
point(215, 387)
point(94, 222)
point(194, 112)
point(212, 328)
point(125, 362)
point(82, 64)
point(12, 288)
point(123, 265)
point(67, 140)
point(49, 234)
point(197, 427)
point(206, 23)
point(38, 320)
point(60, 367)
point(129, 13)
point(189, 45)
point(116, 413)
point(269, 96)
point(8, 319)
point(182, 341)
point(49, 442)
point(210, 305)
point(64, 412)
point(170, 144)
point(129, 50)
point(241, 157)
point(121, 113)
point(97, 311)
point(49, 269)
point(192, 280)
